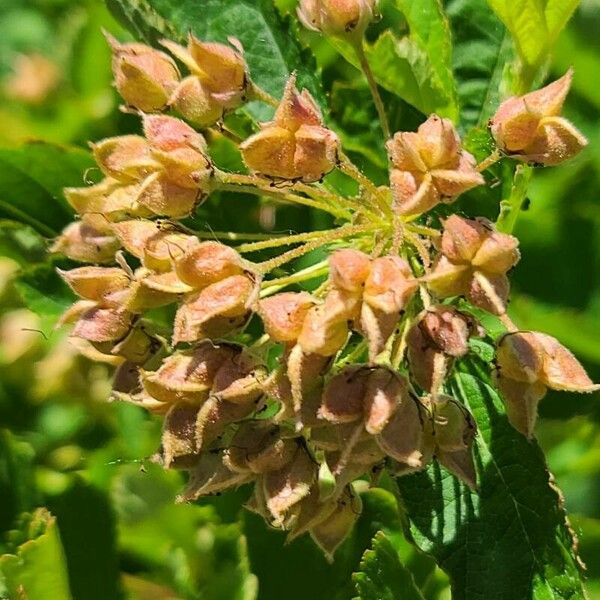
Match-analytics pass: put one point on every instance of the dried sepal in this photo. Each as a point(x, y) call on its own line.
point(528, 363)
point(283, 314)
point(473, 262)
point(288, 486)
point(429, 167)
point(329, 533)
point(216, 310)
point(144, 77)
point(82, 241)
point(338, 18)
point(296, 144)
point(210, 476)
point(531, 129)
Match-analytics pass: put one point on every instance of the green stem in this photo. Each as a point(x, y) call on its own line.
point(287, 240)
point(366, 69)
point(511, 207)
point(331, 236)
point(270, 286)
point(257, 93)
point(492, 159)
point(239, 183)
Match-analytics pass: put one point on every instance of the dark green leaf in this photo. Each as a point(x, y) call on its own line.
point(87, 529)
point(31, 181)
point(482, 52)
point(44, 292)
point(508, 540)
point(270, 45)
point(382, 576)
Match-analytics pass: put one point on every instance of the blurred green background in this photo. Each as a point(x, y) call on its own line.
point(64, 448)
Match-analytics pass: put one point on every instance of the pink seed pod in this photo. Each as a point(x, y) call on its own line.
point(528, 364)
point(295, 145)
point(531, 129)
point(96, 283)
point(339, 18)
point(83, 242)
point(207, 263)
point(144, 77)
point(349, 269)
point(429, 167)
point(283, 314)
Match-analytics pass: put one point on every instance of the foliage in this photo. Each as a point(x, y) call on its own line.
point(79, 473)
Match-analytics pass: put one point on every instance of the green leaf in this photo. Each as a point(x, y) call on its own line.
point(482, 53)
point(509, 539)
point(31, 181)
point(17, 488)
point(44, 292)
point(534, 24)
point(382, 576)
point(430, 30)
point(401, 67)
point(271, 47)
point(36, 570)
point(87, 529)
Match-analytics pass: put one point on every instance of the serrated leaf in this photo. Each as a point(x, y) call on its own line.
point(402, 66)
point(430, 30)
point(482, 52)
point(31, 181)
point(36, 570)
point(382, 576)
point(534, 24)
point(271, 48)
point(509, 539)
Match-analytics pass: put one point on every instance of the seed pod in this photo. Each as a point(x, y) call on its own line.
point(295, 145)
point(239, 379)
point(390, 284)
point(102, 324)
point(96, 283)
point(528, 363)
point(144, 77)
point(344, 395)
point(259, 447)
point(349, 269)
point(322, 333)
point(329, 533)
point(429, 167)
point(125, 158)
point(339, 18)
point(178, 442)
point(219, 80)
point(216, 310)
point(529, 127)
point(288, 486)
point(402, 438)
point(210, 476)
point(385, 391)
point(82, 242)
point(207, 263)
point(474, 261)
point(283, 314)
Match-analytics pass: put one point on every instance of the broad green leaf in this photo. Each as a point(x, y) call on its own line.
point(430, 30)
point(270, 45)
point(401, 67)
point(36, 570)
point(382, 576)
point(510, 538)
point(31, 181)
point(534, 24)
point(482, 52)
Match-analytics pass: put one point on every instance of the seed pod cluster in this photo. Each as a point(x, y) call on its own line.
point(340, 382)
